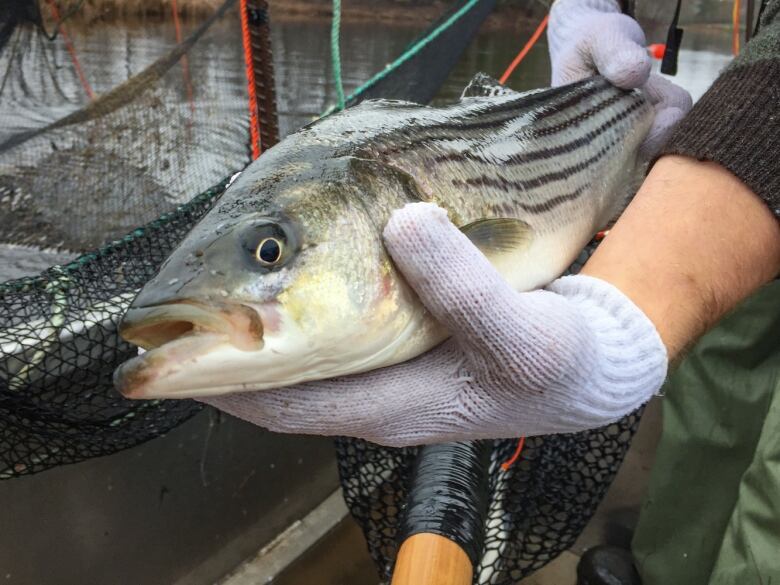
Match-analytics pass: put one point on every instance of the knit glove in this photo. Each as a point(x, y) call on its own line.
point(574, 356)
point(589, 37)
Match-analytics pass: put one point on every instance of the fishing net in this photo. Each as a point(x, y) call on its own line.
point(83, 175)
point(59, 347)
point(536, 509)
point(88, 152)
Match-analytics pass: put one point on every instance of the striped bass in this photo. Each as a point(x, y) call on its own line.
point(287, 280)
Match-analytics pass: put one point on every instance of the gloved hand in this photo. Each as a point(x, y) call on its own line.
point(575, 356)
point(587, 37)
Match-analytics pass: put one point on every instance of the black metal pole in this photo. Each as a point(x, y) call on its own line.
point(262, 62)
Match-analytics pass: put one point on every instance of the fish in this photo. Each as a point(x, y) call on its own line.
point(286, 279)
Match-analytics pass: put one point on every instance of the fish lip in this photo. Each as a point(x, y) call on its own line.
point(134, 377)
point(131, 376)
point(153, 326)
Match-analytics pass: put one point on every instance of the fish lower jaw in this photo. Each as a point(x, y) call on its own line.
point(204, 376)
point(134, 378)
point(283, 361)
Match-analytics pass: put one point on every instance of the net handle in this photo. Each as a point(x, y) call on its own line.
point(431, 559)
point(442, 530)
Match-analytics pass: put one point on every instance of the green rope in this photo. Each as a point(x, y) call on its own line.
point(335, 53)
point(403, 58)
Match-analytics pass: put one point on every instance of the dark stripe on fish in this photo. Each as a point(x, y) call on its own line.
point(535, 182)
point(581, 117)
point(458, 128)
point(394, 144)
point(546, 206)
point(570, 95)
point(549, 152)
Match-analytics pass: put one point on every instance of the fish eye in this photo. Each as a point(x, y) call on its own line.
point(268, 244)
point(269, 251)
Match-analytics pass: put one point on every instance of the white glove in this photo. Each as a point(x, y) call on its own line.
point(588, 37)
point(575, 356)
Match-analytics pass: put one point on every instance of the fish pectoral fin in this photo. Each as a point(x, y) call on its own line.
point(499, 237)
point(482, 85)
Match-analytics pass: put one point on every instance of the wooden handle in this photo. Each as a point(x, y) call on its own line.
point(430, 559)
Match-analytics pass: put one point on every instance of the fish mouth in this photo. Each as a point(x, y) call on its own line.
point(176, 333)
point(154, 326)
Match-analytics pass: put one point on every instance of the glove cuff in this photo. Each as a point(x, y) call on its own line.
point(631, 361)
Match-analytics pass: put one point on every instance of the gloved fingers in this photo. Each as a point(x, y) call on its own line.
point(335, 407)
point(671, 103)
point(454, 280)
point(570, 20)
point(400, 405)
point(663, 94)
point(663, 126)
point(571, 66)
point(617, 51)
point(612, 45)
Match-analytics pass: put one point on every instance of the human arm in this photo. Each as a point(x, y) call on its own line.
point(694, 242)
point(736, 123)
point(718, 203)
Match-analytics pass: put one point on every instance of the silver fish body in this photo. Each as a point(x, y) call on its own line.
point(286, 279)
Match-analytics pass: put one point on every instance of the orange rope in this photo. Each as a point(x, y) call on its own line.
point(515, 456)
point(185, 64)
point(525, 50)
point(254, 121)
point(71, 51)
point(735, 28)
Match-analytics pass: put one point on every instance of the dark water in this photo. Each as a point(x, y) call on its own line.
point(112, 53)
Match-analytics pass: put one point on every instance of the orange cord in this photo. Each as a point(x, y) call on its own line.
point(525, 50)
point(735, 28)
point(515, 456)
point(254, 121)
point(185, 65)
point(71, 51)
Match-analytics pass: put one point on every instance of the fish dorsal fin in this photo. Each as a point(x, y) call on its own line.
point(498, 237)
point(482, 85)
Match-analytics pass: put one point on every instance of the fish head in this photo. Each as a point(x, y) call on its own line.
point(286, 280)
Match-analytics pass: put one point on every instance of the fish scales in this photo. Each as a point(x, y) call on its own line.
point(523, 144)
point(526, 153)
point(287, 280)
